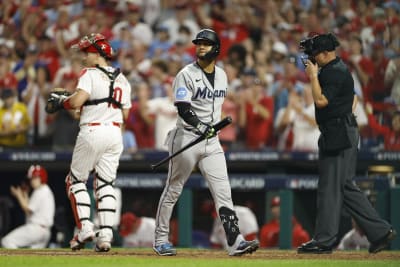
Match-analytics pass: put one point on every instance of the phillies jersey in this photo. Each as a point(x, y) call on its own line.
point(42, 206)
point(97, 84)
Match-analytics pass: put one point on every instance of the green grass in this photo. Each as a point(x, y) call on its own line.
point(68, 261)
point(188, 258)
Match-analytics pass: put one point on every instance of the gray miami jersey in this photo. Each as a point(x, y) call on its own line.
point(192, 86)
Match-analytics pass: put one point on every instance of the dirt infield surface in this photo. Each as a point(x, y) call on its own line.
point(204, 253)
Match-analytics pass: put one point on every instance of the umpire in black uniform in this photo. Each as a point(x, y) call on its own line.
point(334, 98)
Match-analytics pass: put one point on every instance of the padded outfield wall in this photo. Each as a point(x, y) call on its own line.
point(255, 178)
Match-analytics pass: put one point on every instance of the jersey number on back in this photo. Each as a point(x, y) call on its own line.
point(117, 95)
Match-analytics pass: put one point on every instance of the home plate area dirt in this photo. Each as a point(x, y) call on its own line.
point(205, 253)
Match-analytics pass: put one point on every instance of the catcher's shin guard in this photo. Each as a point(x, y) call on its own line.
point(79, 198)
point(106, 207)
point(230, 222)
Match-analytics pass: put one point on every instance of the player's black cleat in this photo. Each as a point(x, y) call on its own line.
point(245, 247)
point(312, 247)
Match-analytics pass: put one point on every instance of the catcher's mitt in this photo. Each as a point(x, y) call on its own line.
point(56, 99)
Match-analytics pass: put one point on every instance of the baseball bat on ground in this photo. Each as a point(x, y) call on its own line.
point(218, 126)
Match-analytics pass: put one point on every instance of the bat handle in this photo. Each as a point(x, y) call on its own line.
point(154, 166)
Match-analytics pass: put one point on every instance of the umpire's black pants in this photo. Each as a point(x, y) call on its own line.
point(336, 190)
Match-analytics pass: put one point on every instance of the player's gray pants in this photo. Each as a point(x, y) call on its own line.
point(336, 190)
point(210, 159)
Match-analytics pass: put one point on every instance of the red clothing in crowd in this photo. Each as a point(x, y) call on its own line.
point(144, 133)
point(367, 66)
point(51, 59)
point(269, 234)
point(8, 81)
point(392, 139)
point(229, 35)
point(376, 92)
point(259, 131)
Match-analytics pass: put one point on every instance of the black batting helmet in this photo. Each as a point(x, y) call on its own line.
point(212, 37)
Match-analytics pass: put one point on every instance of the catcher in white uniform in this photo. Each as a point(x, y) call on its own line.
point(199, 91)
point(103, 96)
point(39, 209)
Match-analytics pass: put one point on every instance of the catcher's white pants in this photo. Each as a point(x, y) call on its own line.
point(97, 148)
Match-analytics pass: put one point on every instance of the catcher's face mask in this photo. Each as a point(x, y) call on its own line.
point(95, 43)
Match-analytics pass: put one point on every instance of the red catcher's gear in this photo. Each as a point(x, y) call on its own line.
point(95, 43)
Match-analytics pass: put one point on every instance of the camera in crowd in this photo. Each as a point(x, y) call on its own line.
point(317, 43)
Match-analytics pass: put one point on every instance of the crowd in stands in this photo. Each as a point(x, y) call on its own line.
point(269, 95)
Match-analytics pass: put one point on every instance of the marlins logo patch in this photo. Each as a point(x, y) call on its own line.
point(181, 93)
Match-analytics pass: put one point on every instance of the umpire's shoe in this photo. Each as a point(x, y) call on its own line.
point(312, 247)
point(382, 243)
point(244, 247)
point(165, 250)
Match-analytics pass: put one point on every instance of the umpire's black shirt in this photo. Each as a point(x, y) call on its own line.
point(338, 87)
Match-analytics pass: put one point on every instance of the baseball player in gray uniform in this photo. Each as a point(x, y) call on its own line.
point(103, 97)
point(199, 91)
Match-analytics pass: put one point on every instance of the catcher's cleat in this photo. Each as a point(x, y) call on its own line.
point(383, 243)
point(84, 235)
point(103, 246)
point(76, 244)
point(165, 250)
point(244, 247)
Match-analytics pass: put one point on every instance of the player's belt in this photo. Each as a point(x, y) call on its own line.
point(103, 124)
point(193, 130)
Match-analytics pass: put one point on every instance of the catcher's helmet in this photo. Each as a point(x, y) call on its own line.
point(37, 171)
point(212, 37)
point(95, 43)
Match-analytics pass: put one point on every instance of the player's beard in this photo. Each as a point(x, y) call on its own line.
point(204, 56)
point(201, 55)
